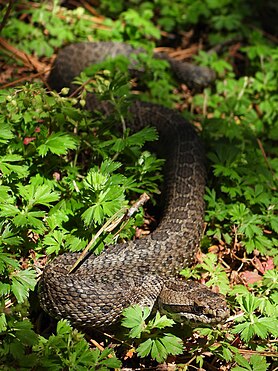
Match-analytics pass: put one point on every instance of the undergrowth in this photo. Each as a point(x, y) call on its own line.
point(65, 172)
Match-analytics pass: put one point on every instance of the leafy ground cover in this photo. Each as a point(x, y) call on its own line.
point(63, 168)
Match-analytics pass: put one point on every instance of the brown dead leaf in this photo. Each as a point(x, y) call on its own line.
point(250, 277)
point(268, 265)
point(28, 140)
point(129, 353)
point(214, 249)
point(263, 266)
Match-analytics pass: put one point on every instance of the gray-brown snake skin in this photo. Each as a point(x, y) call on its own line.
point(141, 271)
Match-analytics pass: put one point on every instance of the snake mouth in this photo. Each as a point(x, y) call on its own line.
point(194, 314)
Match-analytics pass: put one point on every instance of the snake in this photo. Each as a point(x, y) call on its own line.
point(143, 271)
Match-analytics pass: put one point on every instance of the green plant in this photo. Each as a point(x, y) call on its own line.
point(69, 349)
point(215, 272)
point(256, 363)
point(239, 163)
point(219, 15)
point(158, 344)
point(47, 191)
point(253, 325)
point(50, 27)
point(46, 29)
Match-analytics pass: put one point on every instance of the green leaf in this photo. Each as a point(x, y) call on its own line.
point(44, 196)
point(249, 303)
point(161, 347)
point(256, 363)
point(8, 236)
point(145, 348)
point(108, 202)
point(269, 323)
point(8, 210)
point(260, 329)
point(31, 219)
point(158, 351)
point(227, 354)
point(54, 241)
point(5, 289)
point(241, 361)
point(161, 322)
point(111, 362)
point(253, 325)
point(7, 260)
point(7, 167)
point(148, 134)
point(58, 144)
point(38, 194)
point(246, 331)
point(274, 223)
point(108, 166)
point(5, 194)
point(6, 132)
point(3, 322)
point(96, 180)
point(74, 243)
point(24, 332)
point(63, 327)
point(22, 282)
point(172, 344)
point(134, 318)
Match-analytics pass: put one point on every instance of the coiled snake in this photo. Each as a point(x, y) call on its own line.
point(141, 271)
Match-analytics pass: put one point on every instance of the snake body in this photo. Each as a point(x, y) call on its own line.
point(142, 271)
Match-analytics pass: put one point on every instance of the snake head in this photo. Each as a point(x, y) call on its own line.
point(189, 301)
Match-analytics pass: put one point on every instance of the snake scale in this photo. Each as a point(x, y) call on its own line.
point(142, 271)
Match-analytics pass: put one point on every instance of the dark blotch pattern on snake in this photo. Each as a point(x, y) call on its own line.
point(142, 271)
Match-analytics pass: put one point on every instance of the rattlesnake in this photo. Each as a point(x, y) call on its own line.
point(142, 271)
